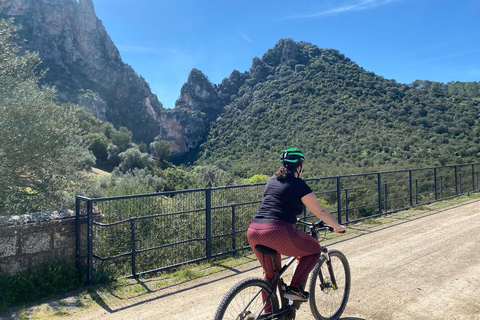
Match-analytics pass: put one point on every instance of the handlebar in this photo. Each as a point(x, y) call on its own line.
point(318, 225)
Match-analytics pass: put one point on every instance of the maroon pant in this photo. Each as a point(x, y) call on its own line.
point(288, 241)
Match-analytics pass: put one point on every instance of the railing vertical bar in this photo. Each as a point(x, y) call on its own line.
point(134, 248)
point(208, 222)
point(346, 204)
point(89, 242)
point(435, 183)
point(379, 186)
point(385, 190)
point(477, 180)
point(460, 182)
point(441, 187)
point(410, 187)
point(339, 200)
point(77, 233)
point(456, 181)
point(416, 191)
point(473, 178)
point(233, 229)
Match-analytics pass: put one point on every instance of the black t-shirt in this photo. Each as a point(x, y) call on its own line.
point(282, 200)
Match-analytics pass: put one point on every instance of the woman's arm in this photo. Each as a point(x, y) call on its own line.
point(311, 202)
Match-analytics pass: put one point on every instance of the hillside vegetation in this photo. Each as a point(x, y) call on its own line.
point(344, 118)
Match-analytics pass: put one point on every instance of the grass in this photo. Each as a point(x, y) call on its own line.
point(38, 282)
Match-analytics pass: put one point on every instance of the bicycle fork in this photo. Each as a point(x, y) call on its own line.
point(328, 261)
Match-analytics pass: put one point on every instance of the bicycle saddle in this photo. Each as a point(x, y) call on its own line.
point(266, 250)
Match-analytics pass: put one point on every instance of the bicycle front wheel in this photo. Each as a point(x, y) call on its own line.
point(328, 301)
point(247, 300)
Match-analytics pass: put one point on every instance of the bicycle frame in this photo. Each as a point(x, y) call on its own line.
point(278, 274)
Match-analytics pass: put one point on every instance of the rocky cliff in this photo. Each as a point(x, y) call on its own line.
point(86, 68)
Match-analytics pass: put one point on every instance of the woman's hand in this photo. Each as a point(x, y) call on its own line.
point(342, 229)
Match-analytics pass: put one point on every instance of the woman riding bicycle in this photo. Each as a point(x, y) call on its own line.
point(273, 225)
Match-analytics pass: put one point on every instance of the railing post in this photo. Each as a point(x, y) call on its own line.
point(89, 242)
point(460, 182)
point(339, 201)
point(134, 247)
point(477, 180)
point(473, 178)
point(379, 187)
point(410, 187)
point(435, 183)
point(441, 187)
point(208, 222)
point(346, 204)
point(456, 181)
point(385, 197)
point(77, 233)
point(416, 191)
point(233, 228)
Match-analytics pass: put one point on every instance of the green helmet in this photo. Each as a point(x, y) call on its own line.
point(292, 158)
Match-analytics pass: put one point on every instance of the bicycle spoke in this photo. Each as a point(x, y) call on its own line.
point(247, 301)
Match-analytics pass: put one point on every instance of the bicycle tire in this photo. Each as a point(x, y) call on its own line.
point(234, 303)
point(327, 303)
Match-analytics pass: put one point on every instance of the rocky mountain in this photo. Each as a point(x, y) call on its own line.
point(86, 68)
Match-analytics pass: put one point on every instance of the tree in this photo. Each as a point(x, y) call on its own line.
point(162, 152)
point(122, 138)
point(211, 176)
point(41, 151)
point(133, 158)
point(161, 149)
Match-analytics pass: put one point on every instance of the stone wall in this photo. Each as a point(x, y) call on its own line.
point(36, 238)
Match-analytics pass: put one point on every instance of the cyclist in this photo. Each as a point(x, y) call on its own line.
point(273, 225)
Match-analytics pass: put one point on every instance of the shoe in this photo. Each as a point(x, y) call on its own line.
point(296, 295)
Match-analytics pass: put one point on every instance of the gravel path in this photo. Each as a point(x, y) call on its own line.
point(420, 265)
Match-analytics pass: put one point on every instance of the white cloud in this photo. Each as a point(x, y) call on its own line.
point(475, 72)
point(451, 55)
point(245, 37)
point(353, 6)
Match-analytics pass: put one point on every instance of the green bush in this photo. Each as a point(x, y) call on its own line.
point(258, 178)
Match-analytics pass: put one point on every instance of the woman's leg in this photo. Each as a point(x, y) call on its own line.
point(254, 237)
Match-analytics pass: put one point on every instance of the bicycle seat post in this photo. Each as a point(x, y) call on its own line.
point(272, 253)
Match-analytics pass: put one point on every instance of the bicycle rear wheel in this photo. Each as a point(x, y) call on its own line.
point(245, 301)
point(327, 303)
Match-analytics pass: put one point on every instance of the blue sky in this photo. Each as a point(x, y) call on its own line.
point(405, 40)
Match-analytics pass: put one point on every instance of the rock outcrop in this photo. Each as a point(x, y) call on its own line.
point(86, 68)
point(79, 55)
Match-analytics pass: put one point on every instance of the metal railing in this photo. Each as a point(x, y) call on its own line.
point(129, 236)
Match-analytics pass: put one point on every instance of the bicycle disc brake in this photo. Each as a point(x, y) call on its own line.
point(246, 315)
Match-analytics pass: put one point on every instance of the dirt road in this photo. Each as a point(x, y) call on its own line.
point(418, 266)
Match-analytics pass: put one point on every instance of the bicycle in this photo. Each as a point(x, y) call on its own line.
point(255, 298)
